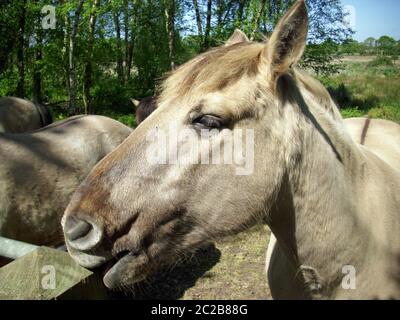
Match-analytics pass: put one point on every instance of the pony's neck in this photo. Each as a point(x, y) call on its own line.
point(315, 221)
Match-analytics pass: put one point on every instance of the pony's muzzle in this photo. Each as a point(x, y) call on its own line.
point(81, 234)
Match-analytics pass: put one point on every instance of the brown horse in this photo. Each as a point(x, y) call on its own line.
point(19, 115)
point(144, 108)
point(39, 172)
point(332, 204)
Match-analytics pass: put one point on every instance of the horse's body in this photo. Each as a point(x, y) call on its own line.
point(332, 204)
point(18, 115)
point(379, 136)
point(144, 108)
point(39, 172)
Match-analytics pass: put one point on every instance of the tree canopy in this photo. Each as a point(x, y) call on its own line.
point(100, 53)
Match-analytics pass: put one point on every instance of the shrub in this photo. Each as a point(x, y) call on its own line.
point(352, 113)
point(386, 112)
point(381, 61)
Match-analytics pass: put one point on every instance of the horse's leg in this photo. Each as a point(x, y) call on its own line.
point(281, 275)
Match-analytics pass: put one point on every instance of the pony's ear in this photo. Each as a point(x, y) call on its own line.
point(286, 44)
point(237, 37)
point(135, 102)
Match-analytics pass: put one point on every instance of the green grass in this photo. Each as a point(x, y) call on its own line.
point(352, 113)
point(127, 119)
point(367, 88)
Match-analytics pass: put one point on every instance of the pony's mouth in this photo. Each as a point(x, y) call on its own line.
point(126, 268)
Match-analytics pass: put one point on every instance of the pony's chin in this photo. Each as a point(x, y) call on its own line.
point(128, 270)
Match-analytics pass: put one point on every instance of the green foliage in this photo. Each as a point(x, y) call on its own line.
point(367, 88)
point(352, 113)
point(352, 47)
point(127, 119)
point(386, 112)
point(320, 58)
point(381, 61)
point(384, 46)
point(111, 94)
point(143, 44)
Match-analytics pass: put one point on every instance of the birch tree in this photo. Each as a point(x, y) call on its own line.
point(170, 28)
point(87, 75)
point(71, 58)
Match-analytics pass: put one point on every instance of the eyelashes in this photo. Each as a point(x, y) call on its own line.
point(208, 122)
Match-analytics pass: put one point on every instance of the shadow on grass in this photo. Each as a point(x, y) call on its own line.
point(345, 99)
point(173, 285)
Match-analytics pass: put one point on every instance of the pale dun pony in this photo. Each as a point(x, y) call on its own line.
point(332, 204)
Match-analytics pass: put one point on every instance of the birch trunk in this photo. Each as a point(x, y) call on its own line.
point(117, 25)
point(21, 51)
point(257, 20)
point(170, 28)
point(37, 75)
point(87, 75)
point(207, 32)
point(198, 19)
point(72, 66)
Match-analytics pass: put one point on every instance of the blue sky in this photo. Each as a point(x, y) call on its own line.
point(375, 18)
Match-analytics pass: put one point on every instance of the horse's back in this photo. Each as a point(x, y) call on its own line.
point(18, 115)
point(75, 134)
point(40, 170)
point(382, 137)
point(83, 127)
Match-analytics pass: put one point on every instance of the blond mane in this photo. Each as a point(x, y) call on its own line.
point(213, 70)
point(223, 66)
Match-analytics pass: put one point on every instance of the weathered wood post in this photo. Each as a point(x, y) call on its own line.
point(42, 273)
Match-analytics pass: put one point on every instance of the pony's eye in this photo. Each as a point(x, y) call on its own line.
point(208, 122)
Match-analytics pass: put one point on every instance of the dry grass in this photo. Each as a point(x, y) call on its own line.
point(231, 269)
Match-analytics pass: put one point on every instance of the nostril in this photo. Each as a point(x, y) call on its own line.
point(75, 229)
point(81, 234)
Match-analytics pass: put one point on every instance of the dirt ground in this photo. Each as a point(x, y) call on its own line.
point(357, 58)
point(231, 269)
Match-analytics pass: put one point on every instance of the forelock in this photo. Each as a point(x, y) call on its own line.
point(214, 70)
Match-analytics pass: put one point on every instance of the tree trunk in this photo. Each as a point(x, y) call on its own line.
point(37, 75)
point(220, 11)
point(170, 26)
point(207, 32)
point(126, 40)
point(117, 25)
point(129, 58)
point(72, 66)
point(198, 19)
point(240, 13)
point(21, 51)
point(257, 20)
point(87, 73)
point(66, 28)
point(131, 41)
